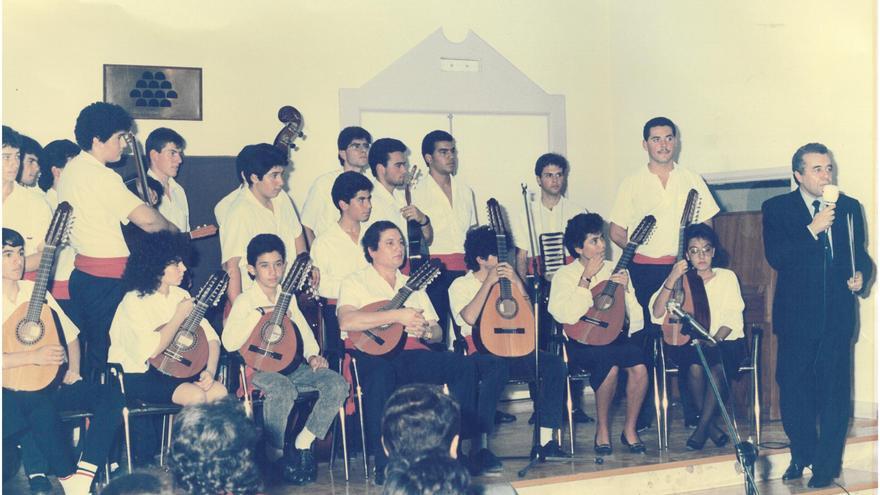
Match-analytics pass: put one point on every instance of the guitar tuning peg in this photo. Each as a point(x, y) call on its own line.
point(294, 147)
point(302, 135)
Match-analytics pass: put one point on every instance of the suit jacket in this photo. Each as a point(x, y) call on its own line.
point(805, 290)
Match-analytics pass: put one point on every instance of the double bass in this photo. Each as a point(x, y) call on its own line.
point(688, 292)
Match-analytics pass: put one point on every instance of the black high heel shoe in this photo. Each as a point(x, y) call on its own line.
point(638, 447)
point(722, 439)
point(601, 449)
point(693, 444)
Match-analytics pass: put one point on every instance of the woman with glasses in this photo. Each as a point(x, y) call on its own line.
point(726, 326)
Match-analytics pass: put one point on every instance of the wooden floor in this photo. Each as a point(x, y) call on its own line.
point(514, 440)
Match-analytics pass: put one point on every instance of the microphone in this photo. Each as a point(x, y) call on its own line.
point(830, 193)
point(675, 308)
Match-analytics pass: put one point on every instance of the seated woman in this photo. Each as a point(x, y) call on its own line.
point(148, 318)
point(726, 325)
point(570, 298)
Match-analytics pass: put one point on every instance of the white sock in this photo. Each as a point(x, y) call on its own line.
point(546, 435)
point(34, 475)
point(80, 481)
point(304, 439)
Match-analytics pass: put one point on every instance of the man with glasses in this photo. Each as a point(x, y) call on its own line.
point(660, 189)
point(318, 212)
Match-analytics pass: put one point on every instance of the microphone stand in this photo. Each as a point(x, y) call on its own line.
point(535, 453)
point(746, 451)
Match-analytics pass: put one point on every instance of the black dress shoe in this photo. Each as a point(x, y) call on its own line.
point(379, 476)
point(637, 447)
point(308, 467)
point(601, 449)
point(579, 416)
point(503, 417)
point(40, 485)
point(794, 472)
point(552, 452)
point(819, 481)
point(485, 462)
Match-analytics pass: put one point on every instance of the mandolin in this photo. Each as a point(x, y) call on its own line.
point(416, 245)
point(506, 325)
point(604, 321)
point(275, 343)
point(34, 324)
point(389, 339)
point(688, 291)
point(187, 354)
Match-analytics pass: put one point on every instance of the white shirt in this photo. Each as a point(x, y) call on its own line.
point(27, 212)
point(366, 286)
point(544, 221)
point(337, 257)
point(569, 301)
point(174, 205)
point(318, 212)
point(51, 196)
point(726, 304)
point(386, 206)
point(245, 315)
point(222, 207)
point(247, 217)
point(25, 290)
point(100, 203)
point(133, 335)
point(461, 293)
point(450, 222)
point(643, 194)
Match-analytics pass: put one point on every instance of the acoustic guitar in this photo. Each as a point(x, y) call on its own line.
point(688, 291)
point(416, 245)
point(187, 354)
point(506, 325)
point(388, 339)
point(143, 188)
point(34, 325)
point(604, 321)
point(275, 343)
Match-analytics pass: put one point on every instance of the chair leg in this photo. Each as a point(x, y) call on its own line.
point(344, 440)
point(756, 401)
point(127, 429)
point(360, 399)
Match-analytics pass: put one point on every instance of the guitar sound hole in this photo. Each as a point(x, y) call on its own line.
point(29, 332)
point(272, 334)
point(507, 308)
point(185, 341)
point(604, 302)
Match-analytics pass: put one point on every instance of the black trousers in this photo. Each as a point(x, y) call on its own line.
point(45, 445)
point(96, 299)
point(814, 387)
point(380, 376)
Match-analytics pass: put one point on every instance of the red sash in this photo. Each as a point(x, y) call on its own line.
point(100, 267)
point(61, 289)
point(647, 260)
point(454, 262)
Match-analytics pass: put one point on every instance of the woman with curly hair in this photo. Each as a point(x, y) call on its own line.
point(147, 319)
point(213, 450)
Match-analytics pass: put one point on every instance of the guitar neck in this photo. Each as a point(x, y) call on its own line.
point(38, 297)
point(501, 243)
point(399, 299)
point(281, 307)
point(628, 252)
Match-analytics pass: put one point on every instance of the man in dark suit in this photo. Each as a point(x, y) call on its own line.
point(814, 311)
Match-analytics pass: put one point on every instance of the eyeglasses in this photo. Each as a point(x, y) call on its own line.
point(706, 251)
point(363, 146)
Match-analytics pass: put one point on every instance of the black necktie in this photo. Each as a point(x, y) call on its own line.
point(823, 236)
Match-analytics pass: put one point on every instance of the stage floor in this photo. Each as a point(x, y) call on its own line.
point(513, 440)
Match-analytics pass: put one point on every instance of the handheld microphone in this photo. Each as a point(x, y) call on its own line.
point(830, 193)
point(675, 308)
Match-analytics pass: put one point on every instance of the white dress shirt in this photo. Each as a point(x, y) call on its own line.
point(27, 212)
point(318, 212)
point(366, 286)
point(545, 221)
point(222, 207)
point(450, 221)
point(726, 304)
point(245, 315)
point(247, 217)
point(25, 290)
point(133, 335)
point(386, 206)
point(569, 301)
point(337, 257)
point(461, 293)
point(100, 203)
point(174, 205)
point(643, 194)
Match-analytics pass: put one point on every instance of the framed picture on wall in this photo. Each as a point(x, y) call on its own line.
point(152, 92)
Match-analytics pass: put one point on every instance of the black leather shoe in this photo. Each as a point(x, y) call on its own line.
point(379, 476)
point(484, 461)
point(503, 417)
point(794, 472)
point(601, 449)
point(40, 485)
point(552, 452)
point(579, 416)
point(308, 467)
point(288, 468)
point(638, 447)
point(819, 481)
